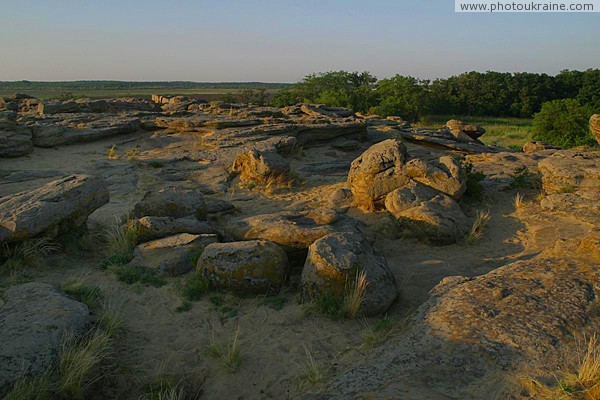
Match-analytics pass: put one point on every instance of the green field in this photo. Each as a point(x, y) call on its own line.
point(209, 94)
point(506, 132)
point(99, 89)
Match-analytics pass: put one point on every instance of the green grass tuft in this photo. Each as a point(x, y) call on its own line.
point(87, 294)
point(194, 287)
point(131, 274)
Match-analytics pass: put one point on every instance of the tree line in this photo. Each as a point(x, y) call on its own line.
point(493, 94)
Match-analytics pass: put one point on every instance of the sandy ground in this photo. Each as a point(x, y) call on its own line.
point(157, 340)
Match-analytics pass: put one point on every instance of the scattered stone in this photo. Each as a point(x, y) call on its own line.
point(14, 140)
point(54, 208)
point(34, 323)
point(172, 201)
point(173, 255)
point(439, 221)
point(255, 266)
point(534, 147)
point(334, 262)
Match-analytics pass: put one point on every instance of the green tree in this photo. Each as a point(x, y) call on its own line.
point(403, 96)
point(353, 90)
point(563, 123)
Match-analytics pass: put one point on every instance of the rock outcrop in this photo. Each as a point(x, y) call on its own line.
point(471, 329)
point(56, 207)
point(35, 321)
point(15, 140)
point(69, 132)
point(173, 255)
point(254, 266)
point(334, 263)
point(50, 107)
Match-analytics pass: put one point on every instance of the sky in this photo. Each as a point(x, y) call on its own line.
point(281, 41)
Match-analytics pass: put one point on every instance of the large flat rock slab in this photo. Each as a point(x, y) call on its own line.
point(57, 206)
point(34, 321)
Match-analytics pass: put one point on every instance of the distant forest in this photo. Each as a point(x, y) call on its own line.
point(126, 85)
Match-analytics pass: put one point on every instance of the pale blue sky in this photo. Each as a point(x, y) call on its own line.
point(281, 41)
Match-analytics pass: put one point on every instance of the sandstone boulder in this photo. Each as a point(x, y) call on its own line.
point(595, 126)
point(293, 231)
point(445, 175)
point(378, 171)
point(386, 166)
point(34, 322)
point(569, 170)
point(261, 166)
point(335, 260)
point(172, 201)
point(173, 255)
point(160, 227)
point(438, 221)
point(58, 206)
point(255, 266)
point(464, 131)
point(409, 196)
point(341, 198)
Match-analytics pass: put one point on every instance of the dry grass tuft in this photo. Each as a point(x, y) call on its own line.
point(119, 241)
point(578, 379)
point(374, 335)
point(228, 351)
point(278, 181)
point(87, 294)
point(355, 295)
point(29, 253)
point(310, 370)
point(519, 201)
point(478, 228)
point(112, 153)
point(78, 361)
point(36, 388)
